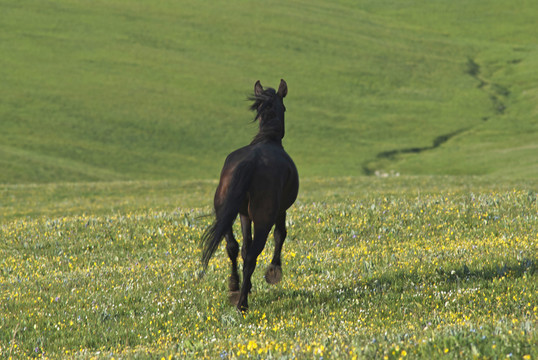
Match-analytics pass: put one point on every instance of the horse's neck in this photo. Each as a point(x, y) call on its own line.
point(267, 138)
point(268, 133)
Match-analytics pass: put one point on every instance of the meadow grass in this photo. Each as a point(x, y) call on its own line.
point(112, 110)
point(373, 268)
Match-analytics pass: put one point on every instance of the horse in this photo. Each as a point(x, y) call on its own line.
point(259, 182)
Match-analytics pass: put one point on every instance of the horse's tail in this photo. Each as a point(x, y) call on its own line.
point(226, 215)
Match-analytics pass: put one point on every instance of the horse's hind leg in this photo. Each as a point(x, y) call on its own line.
point(232, 247)
point(273, 274)
point(233, 251)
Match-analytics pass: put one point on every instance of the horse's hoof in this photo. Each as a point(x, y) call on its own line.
point(242, 309)
point(233, 296)
point(273, 275)
point(233, 283)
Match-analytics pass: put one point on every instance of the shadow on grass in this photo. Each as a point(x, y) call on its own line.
point(525, 266)
point(393, 285)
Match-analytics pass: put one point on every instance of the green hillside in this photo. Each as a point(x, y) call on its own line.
point(145, 90)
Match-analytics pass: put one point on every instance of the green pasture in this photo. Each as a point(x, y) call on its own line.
point(154, 90)
point(413, 125)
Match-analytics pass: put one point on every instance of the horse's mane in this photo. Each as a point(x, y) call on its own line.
point(272, 127)
point(261, 101)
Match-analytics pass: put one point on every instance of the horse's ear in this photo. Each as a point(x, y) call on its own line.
point(282, 89)
point(258, 89)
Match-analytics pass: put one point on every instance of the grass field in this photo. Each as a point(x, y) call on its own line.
point(116, 117)
point(373, 268)
point(143, 90)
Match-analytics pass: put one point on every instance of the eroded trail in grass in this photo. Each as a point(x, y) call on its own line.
point(379, 274)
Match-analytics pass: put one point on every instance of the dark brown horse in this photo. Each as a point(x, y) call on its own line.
point(259, 182)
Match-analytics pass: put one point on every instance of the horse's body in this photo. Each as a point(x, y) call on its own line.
point(259, 182)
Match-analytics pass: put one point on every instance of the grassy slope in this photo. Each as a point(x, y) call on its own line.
point(127, 90)
point(504, 54)
point(121, 90)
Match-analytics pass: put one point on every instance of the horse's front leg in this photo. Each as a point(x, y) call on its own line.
point(246, 228)
point(249, 263)
point(273, 274)
point(232, 248)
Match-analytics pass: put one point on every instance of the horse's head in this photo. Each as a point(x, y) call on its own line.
point(269, 107)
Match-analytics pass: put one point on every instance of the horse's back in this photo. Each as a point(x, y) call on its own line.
point(276, 174)
point(274, 177)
